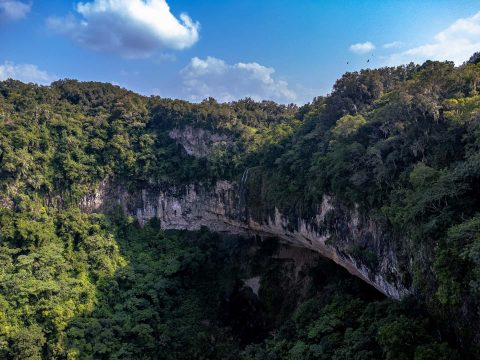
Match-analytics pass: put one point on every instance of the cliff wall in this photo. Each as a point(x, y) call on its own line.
point(335, 232)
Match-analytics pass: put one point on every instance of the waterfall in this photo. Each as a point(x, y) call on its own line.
point(242, 208)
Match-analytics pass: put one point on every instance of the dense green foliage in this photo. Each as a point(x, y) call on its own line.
point(403, 145)
point(94, 288)
point(102, 288)
point(163, 303)
point(81, 286)
point(399, 144)
point(65, 138)
point(345, 327)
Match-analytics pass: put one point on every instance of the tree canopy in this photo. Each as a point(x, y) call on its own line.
point(400, 145)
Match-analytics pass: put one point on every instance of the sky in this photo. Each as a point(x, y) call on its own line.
point(286, 51)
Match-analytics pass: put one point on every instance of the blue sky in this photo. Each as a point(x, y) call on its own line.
point(287, 51)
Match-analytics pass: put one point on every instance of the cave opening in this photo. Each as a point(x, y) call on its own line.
point(276, 278)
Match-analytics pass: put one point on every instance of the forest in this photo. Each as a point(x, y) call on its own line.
point(399, 144)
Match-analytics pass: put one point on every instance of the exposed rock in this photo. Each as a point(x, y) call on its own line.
point(220, 209)
point(198, 142)
point(253, 283)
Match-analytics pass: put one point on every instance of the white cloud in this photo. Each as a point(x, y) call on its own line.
point(203, 78)
point(11, 10)
point(24, 72)
point(393, 45)
point(456, 43)
point(131, 28)
point(362, 48)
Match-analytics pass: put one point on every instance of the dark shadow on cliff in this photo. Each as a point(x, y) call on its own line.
point(163, 302)
point(184, 295)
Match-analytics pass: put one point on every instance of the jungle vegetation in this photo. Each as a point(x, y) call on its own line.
point(401, 144)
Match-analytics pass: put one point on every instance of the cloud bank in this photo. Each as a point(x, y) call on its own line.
point(213, 77)
point(456, 43)
point(11, 10)
point(24, 72)
point(362, 48)
point(131, 28)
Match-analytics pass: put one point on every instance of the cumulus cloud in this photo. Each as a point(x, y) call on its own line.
point(131, 28)
point(24, 72)
point(456, 43)
point(203, 78)
point(11, 10)
point(362, 48)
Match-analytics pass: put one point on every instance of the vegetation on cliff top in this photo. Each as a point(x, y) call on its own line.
point(402, 144)
point(65, 138)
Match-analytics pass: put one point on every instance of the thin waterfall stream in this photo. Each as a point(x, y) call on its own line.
point(242, 208)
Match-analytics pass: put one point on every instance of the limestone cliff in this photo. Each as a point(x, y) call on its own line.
point(198, 142)
point(335, 231)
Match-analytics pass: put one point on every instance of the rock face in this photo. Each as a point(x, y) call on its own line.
point(198, 142)
point(336, 232)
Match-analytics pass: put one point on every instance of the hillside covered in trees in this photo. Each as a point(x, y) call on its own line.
point(401, 145)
